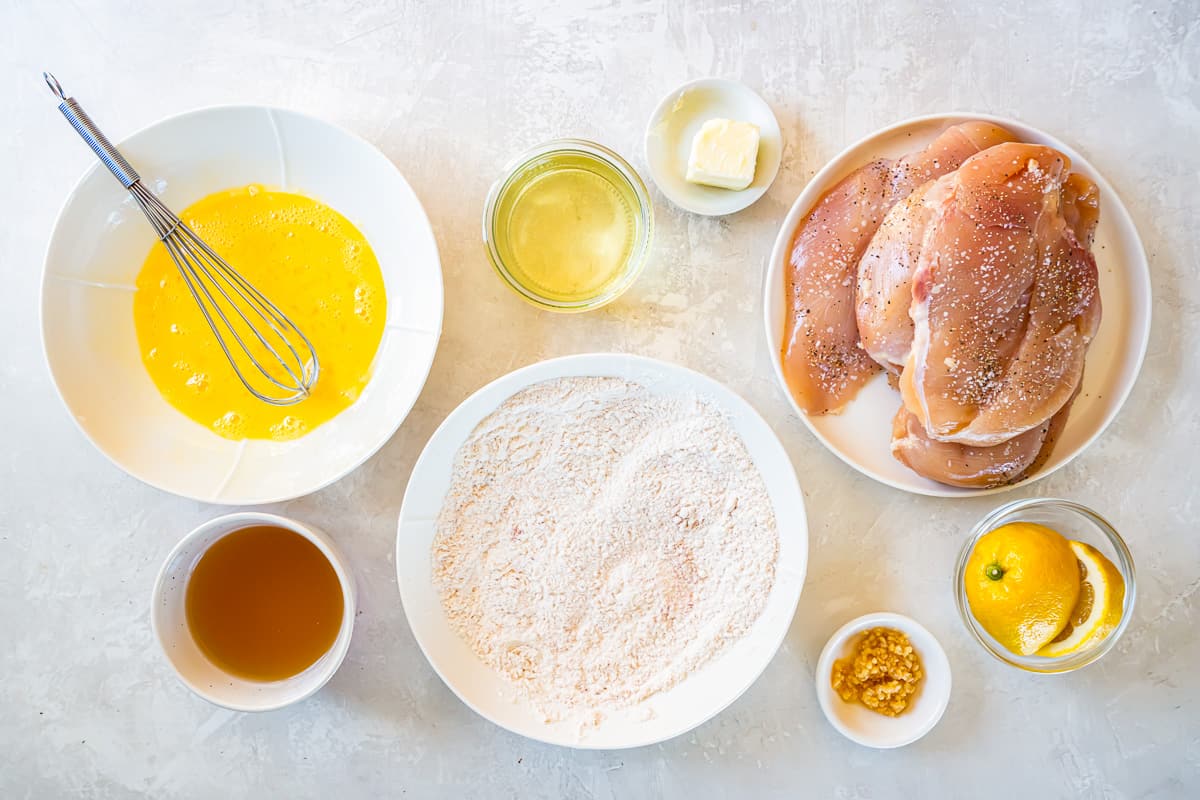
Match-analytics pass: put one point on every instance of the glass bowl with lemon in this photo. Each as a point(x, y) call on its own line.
point(1045, 585)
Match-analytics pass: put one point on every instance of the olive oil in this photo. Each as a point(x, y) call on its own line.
point(567, 227)
point(264, 603)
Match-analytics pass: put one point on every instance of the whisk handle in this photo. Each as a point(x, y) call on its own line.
point(87, 130)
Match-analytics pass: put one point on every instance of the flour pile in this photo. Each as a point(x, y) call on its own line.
point(599, 543)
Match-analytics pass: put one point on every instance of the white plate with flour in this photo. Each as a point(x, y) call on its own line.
point(702, 693)
point(860, 434)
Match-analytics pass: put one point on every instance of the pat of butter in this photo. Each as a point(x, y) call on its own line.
point(724, 154)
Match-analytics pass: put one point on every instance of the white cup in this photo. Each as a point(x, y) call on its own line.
point(168, 618)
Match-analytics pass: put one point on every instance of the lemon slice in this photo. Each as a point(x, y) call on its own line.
point(1100, 604)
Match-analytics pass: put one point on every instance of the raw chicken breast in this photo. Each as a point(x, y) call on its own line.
point(885, 271)
point(969, 466)
point(1081, 207)
point(822, 361)
point(1005, 297)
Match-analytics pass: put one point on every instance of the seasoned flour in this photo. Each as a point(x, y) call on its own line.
point(599, 543)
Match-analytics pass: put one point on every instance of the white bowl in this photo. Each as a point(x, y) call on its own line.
point(101, 240)
point(674, 124)
point(861, 434)
point(701, 695)
point(858, 723)
point(168, 619)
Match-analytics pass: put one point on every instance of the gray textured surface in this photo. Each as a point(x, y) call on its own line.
point(450, 91)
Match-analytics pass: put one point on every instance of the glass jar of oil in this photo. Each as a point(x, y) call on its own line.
point(569, 225)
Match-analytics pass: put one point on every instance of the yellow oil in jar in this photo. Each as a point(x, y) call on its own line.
point(568, 227)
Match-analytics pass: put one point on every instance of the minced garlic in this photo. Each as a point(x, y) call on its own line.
point(883, 674)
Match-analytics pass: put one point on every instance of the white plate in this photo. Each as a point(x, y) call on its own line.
point(662, 716)
point(861, 434)
point(101, 240)
point(857, 722)
point(673, 126)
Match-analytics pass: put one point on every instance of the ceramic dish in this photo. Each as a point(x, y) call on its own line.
point(858, 723)
point(861, 434)
point(674, 124)
point(688, 704)
point(168, 619)
point(101, 240)
point(1074, 522)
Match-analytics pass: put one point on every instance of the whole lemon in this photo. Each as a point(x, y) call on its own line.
point(1022, 581)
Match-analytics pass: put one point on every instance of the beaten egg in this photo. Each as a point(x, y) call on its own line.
point(312, 263)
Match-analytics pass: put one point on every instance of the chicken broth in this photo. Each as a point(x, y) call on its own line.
point(568, 227)
point(264, 603)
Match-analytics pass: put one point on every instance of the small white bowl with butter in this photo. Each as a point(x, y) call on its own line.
point(713, 146)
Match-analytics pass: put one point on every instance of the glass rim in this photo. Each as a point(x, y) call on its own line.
point(1042, 664)
point(641, 250)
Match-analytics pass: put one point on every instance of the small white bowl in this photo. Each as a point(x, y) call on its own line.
point(168, 619)
point(673, 126)
point(860, 724)
point(101, 240)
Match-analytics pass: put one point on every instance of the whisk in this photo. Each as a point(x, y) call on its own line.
point(280, 364)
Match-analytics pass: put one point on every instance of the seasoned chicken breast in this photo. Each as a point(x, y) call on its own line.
point(1004, 297)
point(1081, 207)
point(822, 361)
point(884, 291)
point(884, 295)
point(970, 466)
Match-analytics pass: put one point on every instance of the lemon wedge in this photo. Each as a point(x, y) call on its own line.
point(1098, 609)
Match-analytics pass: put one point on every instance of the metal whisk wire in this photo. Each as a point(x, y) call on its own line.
point(231, 306)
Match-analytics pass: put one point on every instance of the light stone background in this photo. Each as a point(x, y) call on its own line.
point(450, 91)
